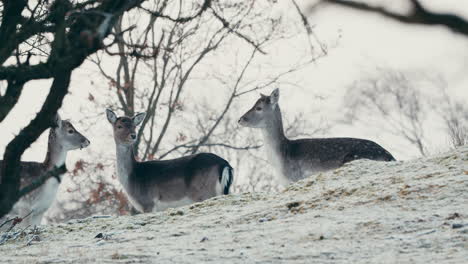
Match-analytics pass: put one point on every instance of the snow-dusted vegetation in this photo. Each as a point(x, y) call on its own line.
point(365, 212)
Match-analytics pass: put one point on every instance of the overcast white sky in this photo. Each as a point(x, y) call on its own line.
point(365, 41)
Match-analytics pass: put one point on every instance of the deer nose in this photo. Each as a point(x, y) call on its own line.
point(133, 136)
point(242, 119)
point(85, 141)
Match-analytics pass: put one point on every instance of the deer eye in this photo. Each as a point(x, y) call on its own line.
point(119, 127)
point(70, 131)
point(258, 108)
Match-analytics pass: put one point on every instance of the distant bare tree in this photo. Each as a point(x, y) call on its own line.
point(456, 120)
point(391, 101)
point(454, 112)
point(394, 102)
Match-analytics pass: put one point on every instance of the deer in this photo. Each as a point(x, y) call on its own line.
point(156, 185)
point(296, 159)
point(63, 137)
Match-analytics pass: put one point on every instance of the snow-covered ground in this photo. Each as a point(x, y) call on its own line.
point(365, 212)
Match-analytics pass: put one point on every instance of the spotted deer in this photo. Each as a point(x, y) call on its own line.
point(297, 159)
point(63, 137)
point(160, 184)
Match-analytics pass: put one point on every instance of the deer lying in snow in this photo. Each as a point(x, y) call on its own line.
point(297, 159)
point(62, 138)
point(160, 184)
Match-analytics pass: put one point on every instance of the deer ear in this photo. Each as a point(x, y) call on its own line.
point(138, 118)
point(111, 116)
point(58, 120)
point(274, 96)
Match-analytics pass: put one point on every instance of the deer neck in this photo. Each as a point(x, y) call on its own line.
point(56, 153)
point(273, 132)
point(125, 163)
point(274, 139)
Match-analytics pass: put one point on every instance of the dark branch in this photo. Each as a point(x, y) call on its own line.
point(10, 98)
point(9, 187)
point(74, 40)
point(418, 15)
point(228, 146)
point(11, 16)
point(55, 172)
point(185, 19)
point(227, 25)
point(190, 146)
point(308, 28)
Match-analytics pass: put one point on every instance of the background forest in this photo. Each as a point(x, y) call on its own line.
point(196, 66)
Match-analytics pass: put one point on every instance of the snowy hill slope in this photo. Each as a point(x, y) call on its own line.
point(364, 212)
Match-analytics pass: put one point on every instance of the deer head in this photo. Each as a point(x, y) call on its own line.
point(67, 136)
point(124, 127)
point(262, 111)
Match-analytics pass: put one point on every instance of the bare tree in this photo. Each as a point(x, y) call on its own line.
point(454, 112)
point(45, 40)
point(156, 63)
point(394, 102)
point(391, 101)
point(169, 55)
point(456, 120)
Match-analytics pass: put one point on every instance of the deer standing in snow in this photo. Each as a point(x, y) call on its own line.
point(63, 137)
point(160, 184)
point(297, 159)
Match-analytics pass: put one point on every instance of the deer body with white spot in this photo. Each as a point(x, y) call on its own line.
point(63, 137)
point(297, 159)
point(160, 184)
